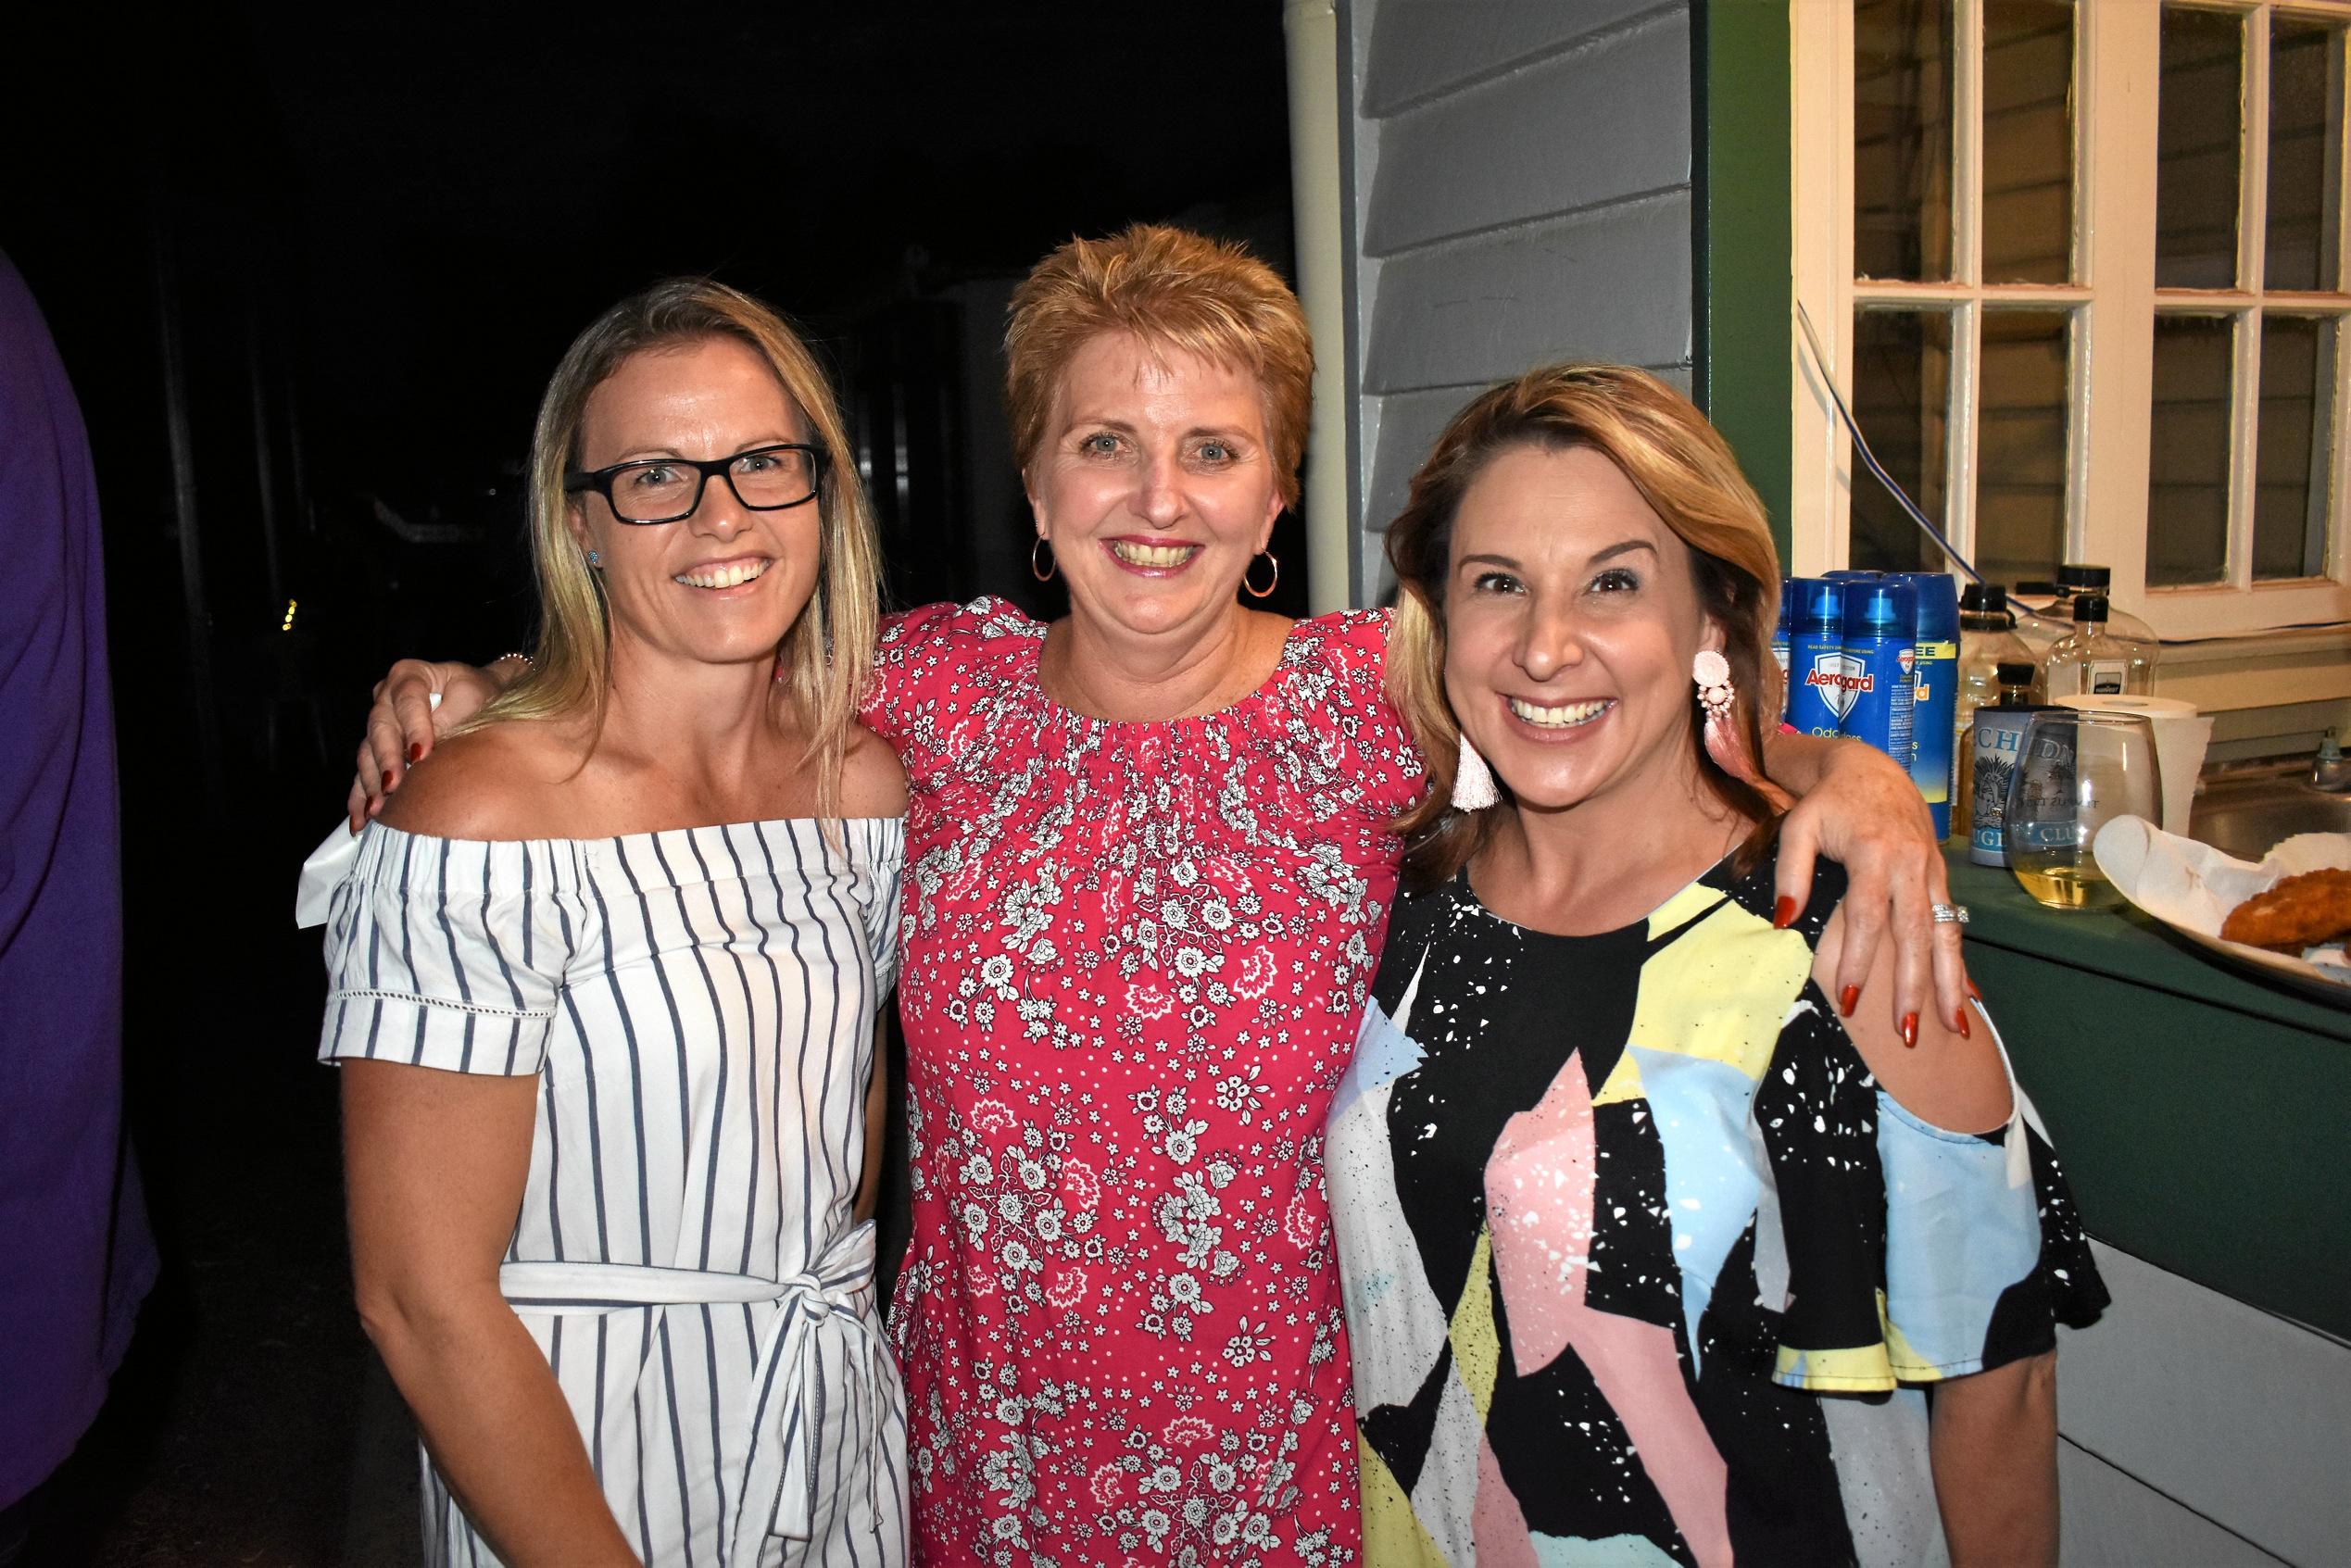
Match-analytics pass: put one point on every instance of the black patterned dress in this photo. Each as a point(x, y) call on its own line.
point(1615, 1211)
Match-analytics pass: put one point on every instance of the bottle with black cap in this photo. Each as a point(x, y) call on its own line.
point(1987, 640)
point(2090, 661)
point(2079, 578)
point(2040, 613)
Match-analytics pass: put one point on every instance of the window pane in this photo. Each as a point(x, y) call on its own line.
point(2294, 452)
point(1901, 396)
point(2020, 446)
point(2306, 152)
point(2027, 141)
point(2187, 457)
point(1901, 139)
point(2196, 146)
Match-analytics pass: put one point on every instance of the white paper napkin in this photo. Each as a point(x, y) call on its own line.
point(2194, 887)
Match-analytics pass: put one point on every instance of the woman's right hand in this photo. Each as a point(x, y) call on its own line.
point(403, 723)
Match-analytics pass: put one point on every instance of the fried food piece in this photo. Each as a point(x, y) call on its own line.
point(2298, 912)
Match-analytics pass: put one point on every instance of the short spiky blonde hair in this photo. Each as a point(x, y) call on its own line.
point(1684, 469)
point(1167, 286)
point(827, 652)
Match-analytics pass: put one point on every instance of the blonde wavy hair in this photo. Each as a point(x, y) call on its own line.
point(1170, 286)
point(828, 650)
point(1685, 471)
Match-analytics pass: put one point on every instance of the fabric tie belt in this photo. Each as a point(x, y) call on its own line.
point(820, 1358)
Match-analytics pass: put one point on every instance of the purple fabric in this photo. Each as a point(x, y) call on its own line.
point(75, 1254)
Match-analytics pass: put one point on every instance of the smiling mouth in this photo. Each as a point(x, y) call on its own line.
point(1567, 716)
point(733, 575)
point(1158, 556)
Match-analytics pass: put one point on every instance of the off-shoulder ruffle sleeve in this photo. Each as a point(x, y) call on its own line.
point(879, 845)
point(450, 954)
point(1914, 1253)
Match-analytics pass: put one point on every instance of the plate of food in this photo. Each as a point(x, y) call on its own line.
point(2287, 915)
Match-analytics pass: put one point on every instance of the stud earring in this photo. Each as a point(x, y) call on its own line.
point(1473, 781)
point(594, 561)
point(1041, 564)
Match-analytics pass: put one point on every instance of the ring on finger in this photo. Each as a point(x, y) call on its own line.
point(1949, 914)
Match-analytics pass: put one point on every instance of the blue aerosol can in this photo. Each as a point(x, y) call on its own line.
point(1779, 640)
point(1817, 698)
point(1881, 659)
point(1934, 697)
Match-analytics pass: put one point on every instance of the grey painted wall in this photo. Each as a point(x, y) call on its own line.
point(1518, 192)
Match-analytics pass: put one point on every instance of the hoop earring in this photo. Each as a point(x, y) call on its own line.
point(1473, 781)
point(1042, 573)
point(1254, 591)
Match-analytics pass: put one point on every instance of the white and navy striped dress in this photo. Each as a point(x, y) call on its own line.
point(699, 1006)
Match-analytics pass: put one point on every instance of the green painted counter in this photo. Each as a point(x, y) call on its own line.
point(2204, 1115)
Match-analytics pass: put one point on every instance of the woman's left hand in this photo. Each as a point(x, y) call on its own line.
point(1866, 813)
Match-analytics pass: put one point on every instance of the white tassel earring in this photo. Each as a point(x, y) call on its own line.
point(1710, 673)
point(1473, 781)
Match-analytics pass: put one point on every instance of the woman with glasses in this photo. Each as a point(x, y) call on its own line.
point(1150, 851)
point(604, 978)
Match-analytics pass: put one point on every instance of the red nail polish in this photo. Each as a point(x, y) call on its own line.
point(1973, 992)
point(1783, 914)
point(1910, 1030)
point(416, 751)
point(1847, 999)
point(387, 778)
point(1959, 1021)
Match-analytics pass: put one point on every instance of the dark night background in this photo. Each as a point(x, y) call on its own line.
point(309, 270)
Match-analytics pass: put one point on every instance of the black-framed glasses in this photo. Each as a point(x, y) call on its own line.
point(764, 479)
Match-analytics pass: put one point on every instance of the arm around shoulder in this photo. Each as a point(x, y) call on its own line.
point(1957, 1082)
point(488, 783)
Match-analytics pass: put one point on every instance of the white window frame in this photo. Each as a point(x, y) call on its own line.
point(2116, 69)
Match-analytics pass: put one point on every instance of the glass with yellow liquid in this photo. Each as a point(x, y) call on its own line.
point(2075, 772)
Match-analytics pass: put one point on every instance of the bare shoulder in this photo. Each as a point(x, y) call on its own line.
point(1953, 1081)
point(873, 783)
point(495, 782)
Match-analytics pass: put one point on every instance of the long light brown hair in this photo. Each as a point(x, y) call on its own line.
point(827, 651)
point(1686, 472)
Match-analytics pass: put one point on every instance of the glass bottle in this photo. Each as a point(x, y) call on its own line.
point(2039, 612)
point(1991, 758)
point(2090, 661)
point(1987, 640)
point(2121, 625)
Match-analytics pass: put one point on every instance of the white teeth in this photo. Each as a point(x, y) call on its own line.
point(724, 577)
point(1153, 555)
point(1562, 717)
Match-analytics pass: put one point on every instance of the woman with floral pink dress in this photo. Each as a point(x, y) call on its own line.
point(1131, 950)
point(1148, 860)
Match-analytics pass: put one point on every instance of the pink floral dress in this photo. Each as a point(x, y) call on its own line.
point(1134, 958)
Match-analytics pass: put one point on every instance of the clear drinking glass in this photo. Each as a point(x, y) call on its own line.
point(2076, 772)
